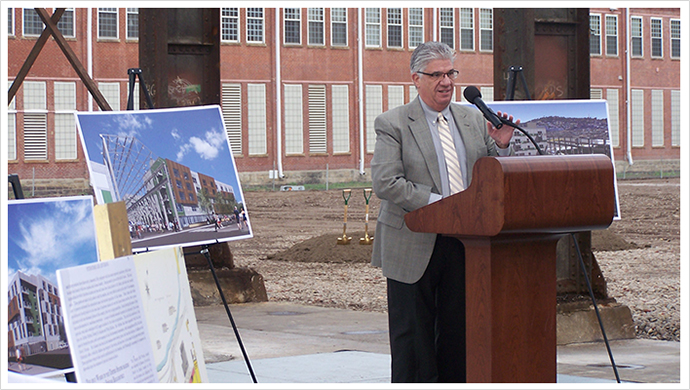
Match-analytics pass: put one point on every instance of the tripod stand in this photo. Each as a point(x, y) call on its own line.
point(510, 88)
point(133, 72)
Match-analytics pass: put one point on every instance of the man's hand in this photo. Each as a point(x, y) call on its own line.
point(503, 135)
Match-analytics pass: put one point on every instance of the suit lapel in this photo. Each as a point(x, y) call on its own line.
point(421, 133)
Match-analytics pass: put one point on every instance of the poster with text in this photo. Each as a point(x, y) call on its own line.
point(174, 170)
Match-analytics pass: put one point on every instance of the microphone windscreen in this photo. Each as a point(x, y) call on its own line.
point(471, 93)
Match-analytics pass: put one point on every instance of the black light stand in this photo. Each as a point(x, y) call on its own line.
point(133, 73)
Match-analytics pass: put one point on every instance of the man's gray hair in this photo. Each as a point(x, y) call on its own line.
point(427, 52)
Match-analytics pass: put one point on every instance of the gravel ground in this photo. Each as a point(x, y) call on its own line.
point(646, 279)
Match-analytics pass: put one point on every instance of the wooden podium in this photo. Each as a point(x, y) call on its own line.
point(510, 219)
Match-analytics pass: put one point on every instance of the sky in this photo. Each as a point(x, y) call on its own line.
point(44, 235)
point(193, 136)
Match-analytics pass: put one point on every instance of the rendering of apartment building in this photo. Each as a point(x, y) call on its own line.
point(301, 87)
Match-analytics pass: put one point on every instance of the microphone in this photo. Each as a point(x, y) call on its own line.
point(473, 96)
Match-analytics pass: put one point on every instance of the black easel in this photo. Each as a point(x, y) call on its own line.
point(16, 186)
point(510, 88)
point(133, 73)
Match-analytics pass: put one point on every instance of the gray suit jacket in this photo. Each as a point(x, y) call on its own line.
point(404, 172)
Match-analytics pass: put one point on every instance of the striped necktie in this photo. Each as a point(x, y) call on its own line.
point(451, 156)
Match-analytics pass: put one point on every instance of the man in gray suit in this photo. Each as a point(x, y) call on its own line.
point(426, 272)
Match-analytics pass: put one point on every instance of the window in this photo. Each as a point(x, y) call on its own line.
point(315, 20)
point(132, 23)
point(12, 131)
point(255, 25)
point(394, 27)
point(675, 38)
point(66, 23)
point(111, 93)
point(256, 119)
point(636, 36)
point(317, 119)
point(35, 121)
point(232, 115)
point(675, 118)
point(373, 27)
point(595, 35)
point(447, 22)
point(10, 21)
point(637, 99)
point(341, 118)
point(33, 25)
point(486, 29)
point(416, 27)
point(395, 96)
point(291, 20)
point(107, 23)
point(293, 119)
point(65, 128)
point(657, 118)
point(374, 107)
point(229, 24)
point(339, 26)
point(611, 35)
point(612, 96)
point(657, 38)
point(466, 29)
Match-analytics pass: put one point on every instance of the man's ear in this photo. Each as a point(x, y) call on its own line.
point(415, 78)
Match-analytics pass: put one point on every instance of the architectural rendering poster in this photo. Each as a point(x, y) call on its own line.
point(561, 127)
point(43, 235)
point(173, 169)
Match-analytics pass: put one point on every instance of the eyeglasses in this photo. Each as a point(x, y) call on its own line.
point(452, 74)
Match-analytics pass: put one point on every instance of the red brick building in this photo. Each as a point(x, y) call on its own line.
point(302, 86)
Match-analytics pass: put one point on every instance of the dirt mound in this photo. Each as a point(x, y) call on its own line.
point(606, 240)
point(325, 249)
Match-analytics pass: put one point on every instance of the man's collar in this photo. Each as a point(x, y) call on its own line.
point(432, 114)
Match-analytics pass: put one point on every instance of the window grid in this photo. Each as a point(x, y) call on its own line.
point(339, 26)
point(111, 93)
point(614, 126)
point(256, 120)
point(107, 23)
point(229, 22)
point(637, 98)
point(33, 25)
point(636, 35)
point(315, 24)
point(486, 29)
point(317, 119)
point(65, 103)
point(66, 23)
point(292, 28)
point(373, 107)
point(675, 118)
point(675, 38)
point(466, 29)
point(341, 118)
point(394, 16)
point(294, 142)
point(132, 23)
point(232, 115)
point(611, 35)
point(34, 96)
point(657, 118)
point(415, 26)
point(447, 23)
point(657, 38)
point(373, 27)
point(255, 25)
point(10, 21)
point(11, 136)
point(395, 96)
point(595, 35)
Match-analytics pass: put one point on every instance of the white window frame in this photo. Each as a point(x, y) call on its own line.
point(63, 22)
point(65, 96)
point(636, 36)
point(294, 120)
point(340, 109)
point(36, 116)
point(595, 34)
point(396, 96)
point(657, 118)
point(675, 117)
point(316, 17)
point(111, 93)
point(611, 35)
point(108, 11)
point(415, 31)
point(318, 141)
point(232, 115)
point(227, 19)
point(292, 17)
point(466, 28)
point(256, 120)
point(637, 120)
point(131, 14)
point(613, 99)
point(394, 24)
point(446, 23)
point(12, 131)
point(373, 108)
point(10, 22)
point(486, 28)
point(372, 17)
point(337, 20)
point(258, 23)
point(26, 12)
point(675, 34)
point(655, 36)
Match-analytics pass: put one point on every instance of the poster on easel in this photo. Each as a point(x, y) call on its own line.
point(174, 170)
